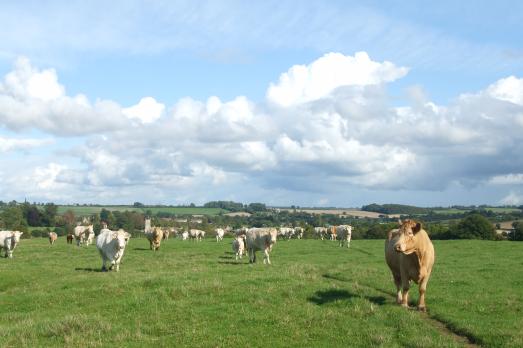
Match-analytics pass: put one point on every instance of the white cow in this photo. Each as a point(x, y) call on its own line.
point(196, 234)
point(9, 240)
point(219, 234)
point(89, 237)
point(111, 245)
point(286, 232)
point(261, 239)
point(320, 232)
point(344, 234)
point(299, 232)
point(238, 246)
point(81, 234)
point(185, 235)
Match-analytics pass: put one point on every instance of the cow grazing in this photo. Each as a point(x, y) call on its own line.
point(220, 232)
point(299, 232)
point(410, 256)
point(155, 238)
point(8, 241)
point(344, 234)
point(320, 232)
point(261, 239)
point(196, 234)
point(238, 246)
point(52, 237)
point(111, 245)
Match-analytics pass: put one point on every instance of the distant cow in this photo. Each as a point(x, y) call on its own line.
point(155, 238)
point(286, 232)
point(344, 234)
point(111, 245)
point(410, 256)
point(331, 232)
point(9, 240)
point(299, 232)
point(220, 232)
point(185, 235)
point(81, 234)
point(320, 232)
point(69, 238)
point(261, 239)
point(52, 237)
point(238, 246)
point(196, 234)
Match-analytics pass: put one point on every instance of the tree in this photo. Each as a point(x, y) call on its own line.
point(518, 231)
point(13, 219)
point(50, 212)
point(474, 226)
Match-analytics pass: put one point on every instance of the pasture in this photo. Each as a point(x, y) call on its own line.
point(80, 210)
point(315, 294)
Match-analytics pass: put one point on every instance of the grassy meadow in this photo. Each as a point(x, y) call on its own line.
point(315, 294)
point(80, 210)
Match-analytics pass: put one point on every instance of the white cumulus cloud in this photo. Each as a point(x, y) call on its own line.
point(304, 83)
point(147, 110)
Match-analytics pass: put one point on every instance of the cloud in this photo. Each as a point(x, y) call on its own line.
point(34, 99)
point(304, 83)
point(13, 144)
point(147, 110)
point(325, 129)
point(512, 199)
point(507, 179)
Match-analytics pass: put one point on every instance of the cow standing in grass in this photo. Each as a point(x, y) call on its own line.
point(8, 241)
point(220, 232)
point(111, 245)
point(81, 234)
point(409, 253)
point(238, 246)
point(52, 237)
point(155, 238)
point(261, 239)
point(344, 234)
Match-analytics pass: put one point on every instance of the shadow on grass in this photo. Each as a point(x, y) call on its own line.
point(323, 297)
point(88, 269)
point(226, 257)
point(142, 249)
point(363, 251)
point(239, 262)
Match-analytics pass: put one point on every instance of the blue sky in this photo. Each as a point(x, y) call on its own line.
point(332, 103)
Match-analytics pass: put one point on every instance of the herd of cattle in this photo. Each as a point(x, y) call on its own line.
point(409, 253)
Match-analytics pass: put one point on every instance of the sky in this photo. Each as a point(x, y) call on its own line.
point(317, 103)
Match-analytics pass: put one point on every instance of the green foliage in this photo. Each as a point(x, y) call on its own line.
point(518, 231)
point(394, 209)
point(13, 219)
point(474, 226)
point(226, 205)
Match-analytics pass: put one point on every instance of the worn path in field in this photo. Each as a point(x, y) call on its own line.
point(461, 337)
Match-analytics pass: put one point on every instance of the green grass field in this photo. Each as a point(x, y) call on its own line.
point(90, 210)
point(315, 294)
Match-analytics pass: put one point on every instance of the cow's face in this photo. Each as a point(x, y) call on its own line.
point(121, 239)
point(274, 236)
point(406, 243)
point(16, 236)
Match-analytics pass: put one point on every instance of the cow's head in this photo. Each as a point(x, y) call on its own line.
point(16, 236)
point(121, 238)
point(408, 230)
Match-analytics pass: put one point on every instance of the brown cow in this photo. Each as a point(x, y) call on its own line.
point(410, 256)
point(70, 238)
point(52, 237)
point(155, 238)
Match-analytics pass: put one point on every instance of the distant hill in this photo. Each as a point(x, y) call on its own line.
point(395, 209)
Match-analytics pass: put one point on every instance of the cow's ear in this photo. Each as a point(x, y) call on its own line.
point(416, 228)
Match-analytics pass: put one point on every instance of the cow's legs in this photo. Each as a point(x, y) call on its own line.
point(405, 298)
point(422, 289)
point(266, 256)
point(104, 260)
point(397, 282)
